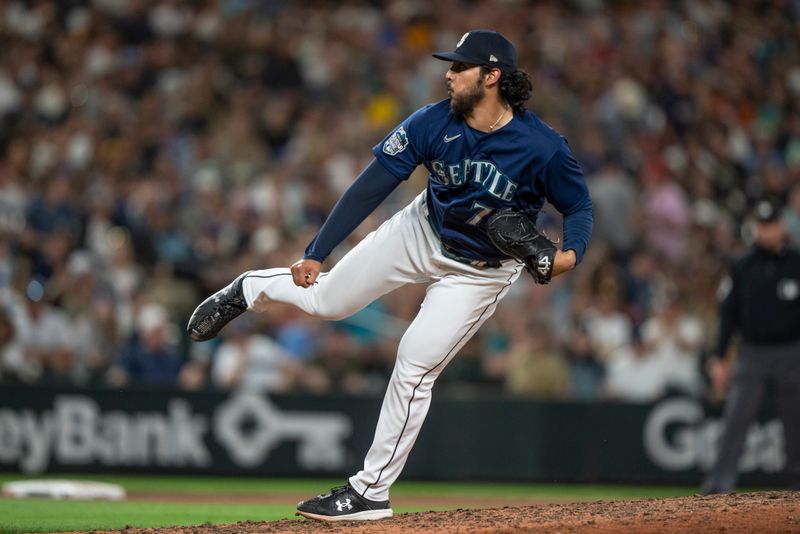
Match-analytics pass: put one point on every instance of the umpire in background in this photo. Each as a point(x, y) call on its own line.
point(759, 300)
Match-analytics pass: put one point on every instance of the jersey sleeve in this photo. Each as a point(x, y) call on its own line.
point(727, 296)
point(402, 150)
point(565, 188)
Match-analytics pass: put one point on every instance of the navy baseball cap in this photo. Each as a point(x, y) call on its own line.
point(483, 47)
point(767, 209)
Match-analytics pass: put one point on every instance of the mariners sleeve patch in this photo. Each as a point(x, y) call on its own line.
point(396, 143)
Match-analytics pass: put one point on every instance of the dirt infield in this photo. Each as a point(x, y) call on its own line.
point(750, 513)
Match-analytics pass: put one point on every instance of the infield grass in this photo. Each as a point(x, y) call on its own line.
point(44, 515)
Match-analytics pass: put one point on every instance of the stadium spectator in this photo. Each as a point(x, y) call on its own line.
point(615, 202)
point(535, 366)
point(251, 361)
point(180, 142)
point(608, 327)
point(10, 350)
point(586, 373)
point(634, 374)
point(44, 336)
point(150, 357)
point(674, 336)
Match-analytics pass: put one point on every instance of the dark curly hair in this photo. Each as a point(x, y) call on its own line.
point(515, 88)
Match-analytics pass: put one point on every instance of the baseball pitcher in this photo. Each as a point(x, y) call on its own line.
point(469, 235)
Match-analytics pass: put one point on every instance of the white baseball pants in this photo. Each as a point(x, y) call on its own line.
point(458, 300)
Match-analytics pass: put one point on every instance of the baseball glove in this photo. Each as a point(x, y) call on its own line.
point(516, 235)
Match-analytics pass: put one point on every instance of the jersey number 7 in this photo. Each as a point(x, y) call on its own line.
point(481, 212)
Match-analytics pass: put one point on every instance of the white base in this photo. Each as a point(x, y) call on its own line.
point(63, 489)
point(366, 515)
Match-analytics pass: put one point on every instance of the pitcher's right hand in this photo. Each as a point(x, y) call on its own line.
point(305, 272)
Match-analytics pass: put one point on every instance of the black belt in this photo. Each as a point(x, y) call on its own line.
point(481, 264)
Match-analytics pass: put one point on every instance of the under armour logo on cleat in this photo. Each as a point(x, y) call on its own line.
point(448, 139)
point(342, 505)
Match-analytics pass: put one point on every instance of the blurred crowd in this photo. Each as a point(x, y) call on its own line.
point(154, 149)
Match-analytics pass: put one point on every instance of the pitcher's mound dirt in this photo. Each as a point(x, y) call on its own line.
point(746, 513)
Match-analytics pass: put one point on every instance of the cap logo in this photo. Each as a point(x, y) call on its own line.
point(463, 38)
point(764, 210)
point(493, 58)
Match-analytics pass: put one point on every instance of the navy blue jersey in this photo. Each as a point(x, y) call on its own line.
point(473, 173)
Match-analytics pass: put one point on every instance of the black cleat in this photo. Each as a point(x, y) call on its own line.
point(343, 504)
point(712, 489)
point(217, 310)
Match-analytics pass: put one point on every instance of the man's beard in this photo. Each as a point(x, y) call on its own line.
point(462, 105)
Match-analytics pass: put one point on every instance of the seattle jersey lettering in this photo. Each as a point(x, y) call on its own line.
point(485, 173)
